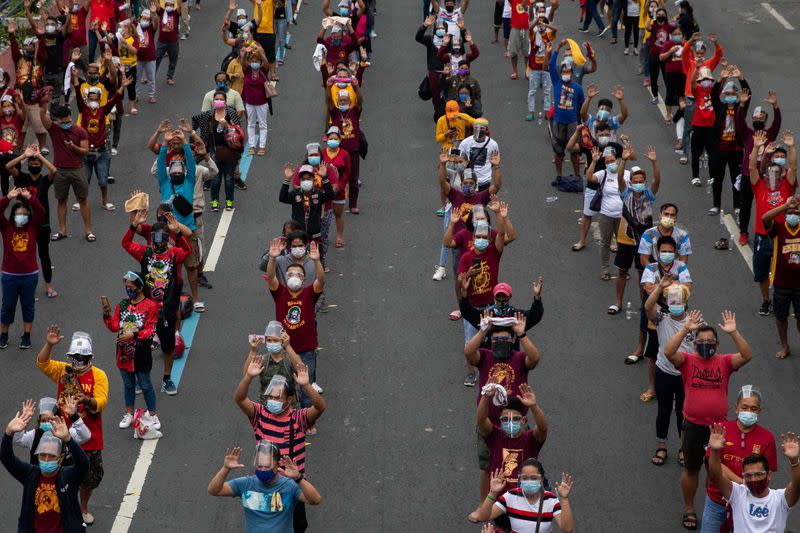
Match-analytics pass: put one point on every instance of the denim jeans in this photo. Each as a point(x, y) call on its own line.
point(92, 46)
point(280, 39)
point(445, 251)
point(616, 12)
point(129, 380)
point(309, 359)
point(713, 516)
point(99, 165)
point(688, 114)
point(225, 173)
point(592, 13)
point(537, 78)
point(22, 288)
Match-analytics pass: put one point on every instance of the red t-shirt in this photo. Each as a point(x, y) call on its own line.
point(480, 290)
point(297, 316)
point(787, 258)
point(342, 163)
point(519, 14)
point(673, 65)
point(146, 47)
point(509, 453)
point(46, 507)
point(510, 373)
point(705, 382)
point(102, 11)
point(465, 241)
point(767, 199)
point(168, 32)
point(739, 445)
point(704, 115)
point(79, 36)
point(348, 123)
point(463, 204)
point(11, 130)
point(63, 157)
point(659, 34)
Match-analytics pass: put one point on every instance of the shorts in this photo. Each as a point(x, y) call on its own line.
point(498, 14)
point(340, 202)
point(506, 28)
point(95, 474)
point(483, 452)
point(651, 344)
point(627, 255)
point(560, 134)
point(693, 443)
point(782, 299)
point(518, 43)
point(33, 121)
point(267, 42)
point(588, 195)
point(762, 257)
point(193, 259)
point(70, 177)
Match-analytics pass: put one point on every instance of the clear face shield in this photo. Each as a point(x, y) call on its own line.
point(275, 394)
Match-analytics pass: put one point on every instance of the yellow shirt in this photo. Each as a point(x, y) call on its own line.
point(459, 122)
point(335, 92)
point(55, 369)
point(126, 57)
point(103, 95)
point(267, 15)
point(235, 69)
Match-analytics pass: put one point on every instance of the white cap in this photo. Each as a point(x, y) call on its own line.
point(144, 13)
point(81, 344)
point(274, 329)
point(241, 13)
point(48, 405)
point(49, 444)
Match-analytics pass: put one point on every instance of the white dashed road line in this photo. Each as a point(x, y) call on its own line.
point(771, 10)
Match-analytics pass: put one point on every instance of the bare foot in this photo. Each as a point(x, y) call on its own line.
point(473, 517)
point(783, 353)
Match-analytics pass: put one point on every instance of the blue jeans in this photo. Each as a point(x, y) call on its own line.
point(445, 251)
point(592, 13)
point(129, 380)
point(713, 516)
point(426, 8)
point(22, 288)
point(645, 55)
point(469, 331)
point(92, 46)
point(280, 39)
point(99, 165)
point(688, 114)
point(309, 359)
point(225, 173)
point(537, 78)
point(616, 12)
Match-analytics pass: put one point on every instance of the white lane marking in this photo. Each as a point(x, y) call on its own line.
point(733, 230)
point(771, 10)
point(134, 489)
point(219, 241)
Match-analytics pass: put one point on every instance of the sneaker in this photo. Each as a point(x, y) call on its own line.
point(111, 179)
point(626, 51)
point(471, 379)
point(126, 421)
point(239, 184)
point(439, 212)
point(25, 341)
point(646, 82)
point(203, 282)
point(635, 51)
point(114, 151)
point(88, 518)
point(604, 30)
point(736, 214)
point(206, 186)
point(169, 387)
point(744, 238)
point(613, 40)
point(696, 182)
point(713, 211)
point(582, 30)
point(184, 37)
point(45, 151)
point(317, 388)
point(76, 206)
point(529, 117)
point(372, 34)
point(215, 206)
point(228, 205)
point(156, 423)
point(766, 308)
point(3, 341)
point(138, 389)
point(654, 101)
point(440, 273)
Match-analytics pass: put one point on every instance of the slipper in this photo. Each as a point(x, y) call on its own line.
point(262, 151)
point(689, 521)
point(683, 160)
point(439, 212)
point(660, 457)
point(605, 276)
point(252, 151)
point(152, 100)
point(514, 75)
point(109, 206)
point(722, 244)
point(134, 111)
point(90, 237)
point(647, 397)
point(577, 247)
point(784, 356)
point(613, 309)
point(326, 269)
point(52, 293)
point(170, 82)
point(633, 359)
point(612, 249)
point(57, 236)
point(455, 315)
point(340, 243)
point(354, 211)
point(681, 460)
point(199, 307)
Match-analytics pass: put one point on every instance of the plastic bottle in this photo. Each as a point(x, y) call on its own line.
point(628, 311)
point(551, 199)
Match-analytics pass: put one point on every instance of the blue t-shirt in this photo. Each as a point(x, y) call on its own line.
point(568, 97)
point(267, 507)
point(185, 189)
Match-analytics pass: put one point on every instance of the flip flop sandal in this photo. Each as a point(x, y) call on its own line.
point(647, 397)
point(689, 521)
point(90, 237)
point(722, 244)
point(199, 307)
point(262, 151)
point(683, 160)
point(660, 457)
point(339, 243)
point(251, 151)
point(51, 294)
point(578, 247)
point(613, 309)
point(680, 458)
point(455, 315)
point(633, 359)
point(57, 236)
point(354, 211)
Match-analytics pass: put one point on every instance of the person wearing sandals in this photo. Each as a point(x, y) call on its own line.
point(743, 437)
point(666, 308)
point(38, 184)
point(339, 158)
point(705, 376)
point(256, 100)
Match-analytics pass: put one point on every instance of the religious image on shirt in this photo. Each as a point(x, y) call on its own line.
point(45, 499)
point(9, 134)
point(503, 374)
point(511, 461)
point(93, 126)
point(19, 242)
point(481, 281)
point(567, 98)
point(347, 128)
point(729, 129)
point(466, 209)
point(791, 249)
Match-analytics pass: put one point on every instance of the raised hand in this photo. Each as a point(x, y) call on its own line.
point(231, 461)
point(289, 468)
point(618, 92)
point(592, 91)
point(28, 408)
point(323, 169)
point(564, 486)
point(429, 20)
point(256, 343)
point(595, 154)
point(443, 156)
point(650, 153)
point(744, 96)
point(12, 27)
point(712, 37)
point(276, 246)
point(486, 315)
point(185, 126)
point(301, 377)
point(694, 319)
point(503, 209)
point(716, 441)
point(285, 339)
point(31, 150)
point(759, 138)
point(790, 446)
point(59, 428)
point(494, 158)
point(70, 405)
point(537, 287)
point(288, 169)
point(18, 423)
point(519, 327)
point(497, 483)
point(165, 126)
point(256, 366)
point(76, 55)
point(313, 251)
point(772, 98)
point(526, 395)
point(468, 37)
point(728, 322)
point(494, 204)
point(666, 280)
point(627, 152)
point(54, 335)
point(788, 138)
point(770, 148)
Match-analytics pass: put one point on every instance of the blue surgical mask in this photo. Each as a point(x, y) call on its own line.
point(676, 39)
point(638, 187)
point(612, 167)
point(255, 65)
point(463, 97)
point(730, 99)
point(779, 161)
point(45, 426)
point(65, 125)
point(511, 428)
point(667, 257)
point(336, 42)
point(333, 143)
point(793, 220)
point(440, 33)
point(274, 406)
point(344, 107)
point(481, 244)
point(265, 476)
point(747, 418)
point(222, 85)
point(20, 220)
point(274, 347)
point(48, 468)
point(313, 160)
point(468, 190)
point(603, 115)
point(530, 486)
point(343, 11)
point(132, 293)
point(342, 84)
point(677, 310)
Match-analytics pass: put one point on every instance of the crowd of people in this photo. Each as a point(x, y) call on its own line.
point(707, 98)
point(87, 65)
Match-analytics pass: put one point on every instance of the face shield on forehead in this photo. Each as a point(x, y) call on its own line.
point(274, 329)
point(750, 391)
point(478, 214)
point(48, 406)
point(265, 456)
point(49, 444)
point(276, 387)
point(676, 295)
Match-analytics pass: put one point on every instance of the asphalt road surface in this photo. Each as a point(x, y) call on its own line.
point(396, 447)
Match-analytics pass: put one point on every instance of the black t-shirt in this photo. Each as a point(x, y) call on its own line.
point(54, 50)
point(38, 188)
point(280, 10)
point(218, 132)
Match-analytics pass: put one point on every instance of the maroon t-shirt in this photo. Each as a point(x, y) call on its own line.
point(297, 316)
point(509, 453)
point(348, 124)
point(480, 290)
point(338, 52)
point(47, 509)
point(63, 157)
point(673, 65)
point(146, 47)
point(465, 241)
point(11, 130)
point(253, 92)
point(787, 258)
point(168, 33)
point(462, 205)
point(78, 37)
point(510, 373)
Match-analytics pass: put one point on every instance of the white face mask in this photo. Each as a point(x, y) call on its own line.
point(49, 28)
point(306, 185)
point(565, 78)
point(294, 283)
point(93, 105)
point(298, 251)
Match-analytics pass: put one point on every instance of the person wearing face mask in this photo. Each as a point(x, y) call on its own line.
point(264, 35)
point(759, 119)
point(517, 39)
point(450, 14)
point(338, 45)
point(462, 77)
point(169, 20)
point(483, 155)
point(648, 243)
point(451, 127)
point(213, 127)
point(785, 280)
point(530, 508)
point(754, 505)
point(671, 57)
point(706, 399)
point(307, 200)
point(50, 488)
point(38, 185)
point(703, 119)
point(540, 33)
point(232, 97)
point(146, 56)
point(743, 436)
point(273, 496)
point(660, 30)
point(433, 63)
point(604, 107)
point(345, 114)
point(29, 79)
point(52, 38)
point(453, 51)
point(256, 101)
point(510, 445)
point(501, 307)
point(337, 158)
point(134, 321)
point(160, 264)
point(11, 123)
point(280, 358)
point(20, 271)
point(771, 189)
point(297, 247)
point(80, 379)
point(568, 100)
point(49, 410)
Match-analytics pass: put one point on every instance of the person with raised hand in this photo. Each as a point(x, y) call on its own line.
point(48, 410)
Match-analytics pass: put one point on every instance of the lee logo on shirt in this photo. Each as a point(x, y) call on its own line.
point(757, 511)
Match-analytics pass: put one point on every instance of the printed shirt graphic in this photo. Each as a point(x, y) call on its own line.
point(480, 289)
point(705, 382)
point(296, 313)
point(786, 262)
point(510, 373)
point(509, 453)
point(758, 515)
point(729, 126)
point(462, 204)
point(767, 199)
point(266, 507)
point(46, 507)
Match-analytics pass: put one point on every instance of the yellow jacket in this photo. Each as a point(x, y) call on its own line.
point(55, 369)
point(460, 123)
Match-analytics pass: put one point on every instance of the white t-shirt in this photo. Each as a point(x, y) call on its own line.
point(666, 328)
point(758, 515)
point(611, 206)
point(479, 154)
point(450, 20)
point(523, 514)
point(632, 8)
point(506, 9)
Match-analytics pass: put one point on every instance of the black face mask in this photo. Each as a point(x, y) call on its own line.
point(177, 179)
point(92, 78)
point(162, 218)
point(160, 247)
point(758, 124)
point(661, 19)
point(34, 171)
point(706, 350)
point(502, 348)
point(449, 9)
point(501, 306)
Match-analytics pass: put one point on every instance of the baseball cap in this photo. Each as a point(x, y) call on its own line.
point(502, 288)
point(451, 108)
point(306, 169)
point(333, 130)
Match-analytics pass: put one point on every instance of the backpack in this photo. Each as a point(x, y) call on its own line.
point(570, 184)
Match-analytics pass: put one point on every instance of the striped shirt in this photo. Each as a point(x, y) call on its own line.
point(647, 245)
point(276, 429)
point(523, 515)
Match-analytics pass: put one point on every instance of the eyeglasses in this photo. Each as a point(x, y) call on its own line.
point(754, 475)
point(530, 477)
point(511, 419)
